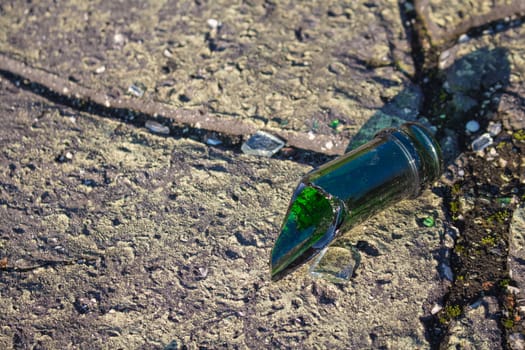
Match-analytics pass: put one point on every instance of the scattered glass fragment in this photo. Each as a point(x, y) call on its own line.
point(136, 90)
point(463, 38)
point(494, 128)
point(397, 164)
point(408, 6)
point(213, 23)
point(119, 39)
point(262, 144)
point(334, 123)
point(513, 290)
point(336, 263)
point(437, 308)
point(429, 221)
point(504, 200)
point(482, 142)
point(89, 183)
point(472, 126)
point(476, 304)
point(100, 70)
point(213, 142)
point(157, 128)
point(203, 272)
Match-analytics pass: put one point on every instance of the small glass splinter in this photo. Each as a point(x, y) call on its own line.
point(396, 164)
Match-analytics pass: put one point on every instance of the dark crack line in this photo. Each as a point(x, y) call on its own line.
point(137, 112)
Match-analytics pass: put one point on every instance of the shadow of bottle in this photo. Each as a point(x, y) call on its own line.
point(469, 89)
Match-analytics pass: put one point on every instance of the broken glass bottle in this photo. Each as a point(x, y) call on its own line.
point(395, 165)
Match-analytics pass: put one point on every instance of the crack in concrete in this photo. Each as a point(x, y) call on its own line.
point(428, 42)
point(137, 112)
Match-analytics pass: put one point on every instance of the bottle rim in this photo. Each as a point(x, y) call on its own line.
point(422, 150)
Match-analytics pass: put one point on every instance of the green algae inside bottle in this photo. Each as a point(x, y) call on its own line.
point(311, 221)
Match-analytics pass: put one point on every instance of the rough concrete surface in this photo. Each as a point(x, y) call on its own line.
point(298, 66)
point(112, 237)
point(446, 17)
point(169, 240)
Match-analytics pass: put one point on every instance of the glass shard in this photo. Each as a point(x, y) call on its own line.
point(157, 128)
point(336, 263)
point(429, 221)
point(136, 89)
point(262, 144)
point(482, 142)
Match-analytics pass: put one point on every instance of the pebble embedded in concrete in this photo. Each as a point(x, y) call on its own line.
point(494, 128)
